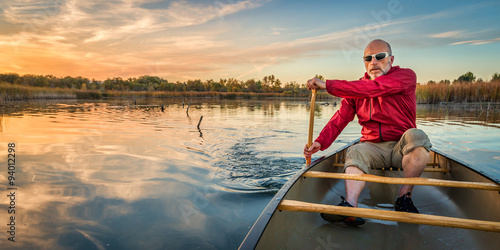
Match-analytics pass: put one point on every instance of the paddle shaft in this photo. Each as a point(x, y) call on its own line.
point(291, 205)
point(311, 123)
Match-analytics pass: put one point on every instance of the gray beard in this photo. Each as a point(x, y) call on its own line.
point(372, 77)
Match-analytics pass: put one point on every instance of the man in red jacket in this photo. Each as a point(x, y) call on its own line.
point(385, 103)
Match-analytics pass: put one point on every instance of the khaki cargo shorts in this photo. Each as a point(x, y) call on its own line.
point(369, 155)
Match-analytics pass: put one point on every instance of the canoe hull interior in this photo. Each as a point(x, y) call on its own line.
point(304, 230)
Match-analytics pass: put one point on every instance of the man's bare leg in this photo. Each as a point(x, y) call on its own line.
point(413, 166)
point(353, 188)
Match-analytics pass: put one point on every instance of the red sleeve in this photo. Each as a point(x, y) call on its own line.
point(396, 81)
point(337, 123)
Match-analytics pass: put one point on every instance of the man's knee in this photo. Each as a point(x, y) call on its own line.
point(355, 158)
point(413, 139)
point(420, 152)
point(416, 159)
point(415, 134)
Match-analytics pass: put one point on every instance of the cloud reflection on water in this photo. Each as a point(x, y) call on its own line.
point(116, 175)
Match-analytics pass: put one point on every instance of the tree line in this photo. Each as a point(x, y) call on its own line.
point(468, 77)
point(269, 84)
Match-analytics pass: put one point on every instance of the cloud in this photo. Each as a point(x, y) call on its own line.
point(25, 11)
point(103, 21)
point(353, 39)
point(478, 42)
point(447, 34)
point(277, 31)
point(455, 35)
point(126, 40)
point(181, 39)
point(121, 37)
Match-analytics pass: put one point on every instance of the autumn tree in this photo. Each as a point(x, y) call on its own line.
point(9, 77)
point(253, 86)
point(495, 77)
point(467, 77)
point(268, 83)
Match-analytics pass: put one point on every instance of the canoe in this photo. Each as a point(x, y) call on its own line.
point(459, 209)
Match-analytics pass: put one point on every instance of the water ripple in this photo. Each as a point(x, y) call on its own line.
point(245, 169)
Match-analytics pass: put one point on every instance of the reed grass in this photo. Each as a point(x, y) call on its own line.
point(425, 93)
point(88, 94)
point(13, 92)
point(10, 92)
point(212, 94)
point(458, 92)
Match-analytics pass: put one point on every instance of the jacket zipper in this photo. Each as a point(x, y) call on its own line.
point(379, 124)
point(380, 131)
point(371, 99)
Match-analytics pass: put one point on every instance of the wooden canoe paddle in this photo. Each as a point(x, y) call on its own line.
point(311, 124)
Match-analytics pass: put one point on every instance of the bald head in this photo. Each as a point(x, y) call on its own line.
point(379, 44)
point(377, 67)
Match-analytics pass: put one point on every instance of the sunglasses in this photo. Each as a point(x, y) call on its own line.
point(378, 56)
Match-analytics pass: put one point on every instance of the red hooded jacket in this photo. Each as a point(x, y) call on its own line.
point(386, 107)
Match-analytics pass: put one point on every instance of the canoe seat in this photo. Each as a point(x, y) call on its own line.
point(433, 169)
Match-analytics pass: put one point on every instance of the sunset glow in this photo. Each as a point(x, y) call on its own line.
point(294, 40)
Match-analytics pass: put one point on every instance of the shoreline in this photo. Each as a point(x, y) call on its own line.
point(425, 95)
point(252, 97)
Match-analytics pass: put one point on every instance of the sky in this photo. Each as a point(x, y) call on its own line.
point(212, 39)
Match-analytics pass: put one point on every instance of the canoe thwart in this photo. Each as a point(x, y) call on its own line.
point(404, 181)
point(425, 219)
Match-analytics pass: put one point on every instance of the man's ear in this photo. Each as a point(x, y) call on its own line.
point(392, 60)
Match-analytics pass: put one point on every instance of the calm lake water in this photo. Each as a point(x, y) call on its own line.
point(124, 175)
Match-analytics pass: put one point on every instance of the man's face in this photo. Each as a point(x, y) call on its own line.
point(376, 68)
